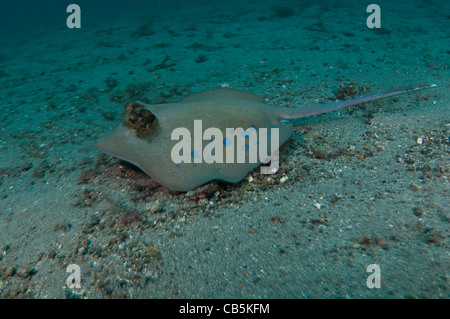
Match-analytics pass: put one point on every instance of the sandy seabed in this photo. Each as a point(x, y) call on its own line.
point(365, 185)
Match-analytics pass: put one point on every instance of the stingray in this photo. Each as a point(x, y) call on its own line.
point(144, 137)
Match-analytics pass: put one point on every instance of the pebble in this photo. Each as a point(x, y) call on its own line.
point(10, 271)
point(418, 211)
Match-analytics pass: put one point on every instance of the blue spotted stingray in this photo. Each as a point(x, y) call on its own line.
point(144, 136)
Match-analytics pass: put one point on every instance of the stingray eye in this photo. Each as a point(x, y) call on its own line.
point(141, 120)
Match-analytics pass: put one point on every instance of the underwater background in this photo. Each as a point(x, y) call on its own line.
point(357, 187)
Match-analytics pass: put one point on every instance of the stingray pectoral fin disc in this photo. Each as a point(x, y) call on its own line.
point(153, 157)
point(118, 143)
point(223, 94)
point(150, 148)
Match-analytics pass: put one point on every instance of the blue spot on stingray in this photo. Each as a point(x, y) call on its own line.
point(177, 165)
point(253, 127)
point(231, 130)
point(195, 154)
point(226, 141)
point(245, 147)
point(150, 140)
point(193, 165)
point(245, 133)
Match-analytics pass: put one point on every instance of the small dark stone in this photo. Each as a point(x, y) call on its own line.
point(366, 240)
point(10, 271)
point(31, 272)
point(52, 254)
point(111, 82)
point(418, 211)
point(130, 217)
point(201, 58)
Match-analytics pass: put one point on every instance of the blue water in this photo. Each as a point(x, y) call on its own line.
point(361, 186)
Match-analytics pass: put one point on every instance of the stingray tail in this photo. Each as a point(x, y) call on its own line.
point(324, 108)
